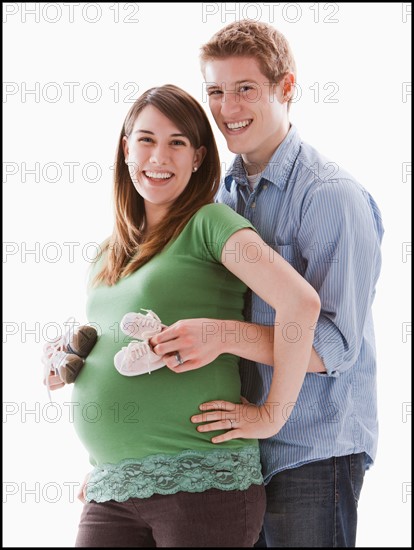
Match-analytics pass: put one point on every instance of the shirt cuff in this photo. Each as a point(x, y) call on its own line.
point(329, 345)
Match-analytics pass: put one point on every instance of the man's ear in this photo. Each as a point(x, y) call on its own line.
point(288, 86)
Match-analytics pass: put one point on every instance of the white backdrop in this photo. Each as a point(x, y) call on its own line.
point(70, 72)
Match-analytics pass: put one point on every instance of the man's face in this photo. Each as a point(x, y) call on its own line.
point(247, 108)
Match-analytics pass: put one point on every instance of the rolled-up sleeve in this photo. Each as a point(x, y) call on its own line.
point(340, 237)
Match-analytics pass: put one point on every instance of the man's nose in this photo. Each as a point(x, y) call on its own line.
point(230, 103)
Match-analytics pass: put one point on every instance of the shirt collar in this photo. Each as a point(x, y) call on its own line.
point(278, 168)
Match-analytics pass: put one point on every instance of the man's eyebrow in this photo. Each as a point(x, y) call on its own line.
point(246, 80)
point(152, 133)
point(211, 85)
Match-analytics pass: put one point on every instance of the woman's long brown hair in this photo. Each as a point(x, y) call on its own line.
point(128, 248)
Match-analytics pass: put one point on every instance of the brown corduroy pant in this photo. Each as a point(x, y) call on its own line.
point(212, 519)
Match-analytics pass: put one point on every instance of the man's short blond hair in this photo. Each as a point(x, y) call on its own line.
point(252, 39)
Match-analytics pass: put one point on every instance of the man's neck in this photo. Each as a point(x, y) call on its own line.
point(257, 160)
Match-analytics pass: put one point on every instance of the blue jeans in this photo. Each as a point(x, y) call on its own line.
point(315, 505)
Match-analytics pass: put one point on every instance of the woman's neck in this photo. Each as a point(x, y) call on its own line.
point(153, 215)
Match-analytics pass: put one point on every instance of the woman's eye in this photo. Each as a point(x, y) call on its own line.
point(178, 142)
point(145, 139)
point(214, 92)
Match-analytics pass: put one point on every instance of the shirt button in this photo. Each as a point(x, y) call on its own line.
point(264, 186)
point(253, 205)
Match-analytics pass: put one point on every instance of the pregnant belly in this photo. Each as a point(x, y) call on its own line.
point(118, 417)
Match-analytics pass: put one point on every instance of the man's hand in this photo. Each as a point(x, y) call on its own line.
point(198, 341)
point(245, 421)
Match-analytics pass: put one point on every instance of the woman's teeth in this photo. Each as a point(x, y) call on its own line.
point(158, 175)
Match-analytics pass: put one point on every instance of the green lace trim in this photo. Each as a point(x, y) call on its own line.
point(190, 471)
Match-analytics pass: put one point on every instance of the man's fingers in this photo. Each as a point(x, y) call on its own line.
point(219, 405)
point(218, 417)
point(219, 424)
point(209, 417)
point(228, 436)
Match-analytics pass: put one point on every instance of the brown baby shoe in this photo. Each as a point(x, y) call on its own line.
point(78, 348)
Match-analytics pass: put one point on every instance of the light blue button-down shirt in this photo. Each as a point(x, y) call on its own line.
point(329, 228)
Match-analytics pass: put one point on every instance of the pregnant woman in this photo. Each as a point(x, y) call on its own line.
point(157, 480)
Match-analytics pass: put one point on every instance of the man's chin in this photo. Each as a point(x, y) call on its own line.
point(238, 144)
point(237, 150)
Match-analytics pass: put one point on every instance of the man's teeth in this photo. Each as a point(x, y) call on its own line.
point(237, 125)
point(159, 175)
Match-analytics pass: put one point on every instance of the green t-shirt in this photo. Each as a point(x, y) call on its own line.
point(137, 430)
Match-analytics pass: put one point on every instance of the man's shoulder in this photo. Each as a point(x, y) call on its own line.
point(316, 168)
point(324, 184)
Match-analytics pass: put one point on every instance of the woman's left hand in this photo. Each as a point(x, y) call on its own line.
point(245, 421)
point(198, 342)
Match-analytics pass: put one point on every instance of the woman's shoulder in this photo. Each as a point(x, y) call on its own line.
point(101, 251)
point(213, 225)
point(219, 212)
point(98, 260)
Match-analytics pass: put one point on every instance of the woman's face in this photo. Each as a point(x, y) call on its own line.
point(160, 159)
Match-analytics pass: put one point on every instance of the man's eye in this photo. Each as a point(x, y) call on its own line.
point(214, 92)
point(245, 88)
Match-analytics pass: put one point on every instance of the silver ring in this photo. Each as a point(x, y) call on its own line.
point(178, 357)
point(231, 423)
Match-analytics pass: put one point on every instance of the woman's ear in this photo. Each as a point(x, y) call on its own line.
point(125, 147)
point(199, 156)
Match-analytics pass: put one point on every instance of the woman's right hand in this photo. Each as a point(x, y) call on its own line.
point(81, 492)
point(54, 381)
